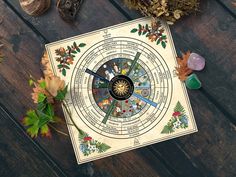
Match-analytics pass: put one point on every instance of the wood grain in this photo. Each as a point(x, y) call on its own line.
point(23, 49)
point(194, 155)
point(19, 156)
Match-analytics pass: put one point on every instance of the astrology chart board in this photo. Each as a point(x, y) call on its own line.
point(123, 92)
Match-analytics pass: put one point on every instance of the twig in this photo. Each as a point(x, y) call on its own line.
point(58, 131)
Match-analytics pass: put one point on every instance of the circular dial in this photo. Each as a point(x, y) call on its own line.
point(121, 88)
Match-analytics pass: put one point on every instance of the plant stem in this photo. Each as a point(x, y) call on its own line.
point(69, 114)
point(58, 131)
point(64, 105)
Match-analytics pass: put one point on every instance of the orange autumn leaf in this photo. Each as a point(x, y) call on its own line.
point(182, 70)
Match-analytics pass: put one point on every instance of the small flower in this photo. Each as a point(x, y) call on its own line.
point(152, 37)
point(87, 138)
point(62, 50)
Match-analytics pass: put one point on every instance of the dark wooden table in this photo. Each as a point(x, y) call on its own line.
point(211, 152)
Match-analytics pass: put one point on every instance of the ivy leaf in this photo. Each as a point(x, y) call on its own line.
point(64, 72)
point(82, 44)
point(167, 129)
point(134, 30)
point(61, 94)
point(74, 52)
point(42, 84)
point(163, 44)
point(146, 27)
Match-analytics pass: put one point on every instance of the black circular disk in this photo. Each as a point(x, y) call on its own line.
point(121, 87)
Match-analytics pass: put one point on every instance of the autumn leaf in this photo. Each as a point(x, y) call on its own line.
point(182, 70)
point(54, 84)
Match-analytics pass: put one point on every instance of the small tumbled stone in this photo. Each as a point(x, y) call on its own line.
point(192, 82)
point(196, 62)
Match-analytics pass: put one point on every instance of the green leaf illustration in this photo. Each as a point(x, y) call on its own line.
point(64, 72)
point(179, 108)
point(82, 44)
point(103, 147)
point(134, 30)
point(163, 44)
point(167, 129)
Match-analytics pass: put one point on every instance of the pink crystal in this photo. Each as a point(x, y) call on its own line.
point(196, 62)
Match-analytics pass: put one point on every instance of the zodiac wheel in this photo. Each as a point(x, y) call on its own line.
point(121, 88)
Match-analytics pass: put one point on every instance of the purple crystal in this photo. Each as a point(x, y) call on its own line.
point(196, 62)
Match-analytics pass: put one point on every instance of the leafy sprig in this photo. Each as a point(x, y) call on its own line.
point(66, 56)
point(155, 32)
point(39, 120)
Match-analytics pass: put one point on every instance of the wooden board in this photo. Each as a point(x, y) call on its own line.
point(209, 37)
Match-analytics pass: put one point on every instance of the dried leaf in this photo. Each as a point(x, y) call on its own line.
point(182, 70)
point(46, 65)
point(54, 84)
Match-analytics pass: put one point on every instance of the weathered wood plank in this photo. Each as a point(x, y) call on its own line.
point(229, 5)
point(209, 34)
point(18, 154)
point(22, 52)
point(92, 15)
point(168, 157)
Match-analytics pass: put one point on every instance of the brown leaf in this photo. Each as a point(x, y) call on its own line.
point(182, 70)
point(46, 65)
